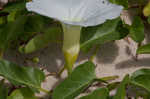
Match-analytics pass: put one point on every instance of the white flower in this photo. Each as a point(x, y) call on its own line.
point(76, 12)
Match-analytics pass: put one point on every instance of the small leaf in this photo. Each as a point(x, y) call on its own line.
point(121, 91)
point(138, 91)
point(18, 75)
point(3, 90)
point(120, 2)
point(3, 18)
point(137, 30)
point(72, 86)
point(34, 23)
point(23, 93)
point(101, 93)
point(42, 40)
point(109, 31)
point(141, 78)
point(12, 17)
point(13, 7)
point(11, 31)
point(146, 10)
point(112, 86)
point(145, 49)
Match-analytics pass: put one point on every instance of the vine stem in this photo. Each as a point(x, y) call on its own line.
point(105, 79)
point(95, 53)
point(60, 71)
point(44, 90)
point(136, 56)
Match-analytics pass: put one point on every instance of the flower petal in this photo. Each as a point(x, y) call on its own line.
point(76, 12)
point(51, 8)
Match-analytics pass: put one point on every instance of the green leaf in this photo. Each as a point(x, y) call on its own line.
point(141, 78)
point(34, 23)
point(138, 2)
point(121, 91)
point(19, 75)
point(3, 90)
point(113, 86)
point(109, 31)
point(137, 30)
point(13, 7)
point(3, 18)
point(138, 91)
point(11, 31)
point(72, 86)
point(145, 49)
point(15, 10)
point(101, 93)
point(120, 2)
point(40, 41)
point(146, 10)
point(22, 93)
point(11, 17)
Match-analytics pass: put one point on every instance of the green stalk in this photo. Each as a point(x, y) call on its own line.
point(71, 45)
point(95, 52)
point(44, 90)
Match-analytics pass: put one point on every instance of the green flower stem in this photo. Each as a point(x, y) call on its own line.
point(95, 53)
point(44, 90)
point(106, 79)
point(71, 45)
point(110, 78)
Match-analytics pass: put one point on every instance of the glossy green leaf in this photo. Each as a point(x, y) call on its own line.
point(12, 17)
point(141, 78)
point(72, 86)
point(146, 10)
point(133, 2)
point(35, 23)
point(138, 90)
point(113, 86)
point(145, 49)
point(11, 31)
point(3, 90)
point(15, 10)
point(109, 31)
point(120, 2)
point(19, 75)
point(121, 91)
point(3, 18)
point(40, 41)
point(22, 93)
point(101, 93)
point(13, 7)
point(137, 30)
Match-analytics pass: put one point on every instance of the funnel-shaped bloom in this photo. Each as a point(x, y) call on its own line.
point(74, 14)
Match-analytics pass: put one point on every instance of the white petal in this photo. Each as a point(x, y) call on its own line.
point(51, 8)
point(76, 12)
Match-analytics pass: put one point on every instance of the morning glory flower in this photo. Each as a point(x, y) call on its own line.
point(75, 14)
